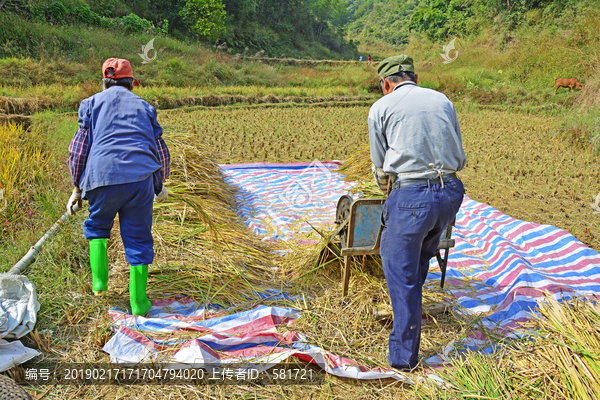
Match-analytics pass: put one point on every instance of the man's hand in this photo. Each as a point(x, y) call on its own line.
point(74, 203)
point(381, 178)
point(162, 196)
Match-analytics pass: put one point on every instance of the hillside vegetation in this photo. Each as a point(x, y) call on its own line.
point(312, 28)
point(392, 22)
point(505, 53)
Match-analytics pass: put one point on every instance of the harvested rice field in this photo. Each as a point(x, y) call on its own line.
point(518, 163)
point(277, 134)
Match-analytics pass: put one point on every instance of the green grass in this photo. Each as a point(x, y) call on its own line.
point(40, 53)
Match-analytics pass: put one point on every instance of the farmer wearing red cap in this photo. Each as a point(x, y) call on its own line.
point(118, 161)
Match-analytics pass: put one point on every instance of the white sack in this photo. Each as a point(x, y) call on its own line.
point(18, 306)
point(14, 353)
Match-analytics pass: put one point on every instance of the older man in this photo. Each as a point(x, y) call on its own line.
point(416, 147)
point(118, 161)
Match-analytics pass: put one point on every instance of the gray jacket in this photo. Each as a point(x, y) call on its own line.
point(413, 127)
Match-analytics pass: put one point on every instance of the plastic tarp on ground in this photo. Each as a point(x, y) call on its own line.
point(278, 200)
point(516, 263)
point(511, 263)
point(260, 338)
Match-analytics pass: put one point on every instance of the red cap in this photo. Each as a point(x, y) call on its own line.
point(121, 67)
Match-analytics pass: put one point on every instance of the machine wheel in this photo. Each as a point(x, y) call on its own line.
point(341, 214)
point(10, 390)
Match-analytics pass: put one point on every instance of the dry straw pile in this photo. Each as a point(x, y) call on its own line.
point(357, 168)
point(567, 345)
point(204, 249)
point(557, 358)
point(13, 105)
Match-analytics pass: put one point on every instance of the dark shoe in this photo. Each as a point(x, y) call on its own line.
point(401, 368)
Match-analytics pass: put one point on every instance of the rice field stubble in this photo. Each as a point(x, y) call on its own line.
point(277, 134)
point(518, 162)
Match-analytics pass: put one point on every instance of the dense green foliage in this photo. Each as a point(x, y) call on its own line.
point(205, 17)
point(385, 21)
point(295, 28)
point(392, 21)
point(76, 12)
point(309, 28)
point(277, 26)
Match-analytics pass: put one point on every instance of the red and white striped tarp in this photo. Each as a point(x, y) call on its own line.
point(510, 264)
point(514, 264)
point(260, 337)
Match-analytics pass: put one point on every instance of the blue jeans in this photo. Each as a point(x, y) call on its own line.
point(133, 203)
point(414, 218)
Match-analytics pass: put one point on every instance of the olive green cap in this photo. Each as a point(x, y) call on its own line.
point(395, 64)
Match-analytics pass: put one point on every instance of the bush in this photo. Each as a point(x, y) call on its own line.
point(133, 23)
point(74, 11)
point(56, 11)
point(84, 15)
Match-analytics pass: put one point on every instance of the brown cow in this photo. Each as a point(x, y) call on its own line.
point(567, 82)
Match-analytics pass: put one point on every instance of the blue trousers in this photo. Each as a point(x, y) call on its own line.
point(414, 218)
point(133, 203)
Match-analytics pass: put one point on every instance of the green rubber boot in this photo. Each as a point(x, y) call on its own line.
point(99, 264)
point(138, 279)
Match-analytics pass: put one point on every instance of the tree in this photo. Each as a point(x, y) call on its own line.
point(206, 17)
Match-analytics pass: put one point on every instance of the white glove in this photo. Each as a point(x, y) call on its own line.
point(381, 177)
point(74, 203)
point(162, 196)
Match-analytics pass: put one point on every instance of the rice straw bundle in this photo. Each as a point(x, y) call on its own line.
point(357, 168)
point(206, 250)
point(568, 340)
point(558, 357)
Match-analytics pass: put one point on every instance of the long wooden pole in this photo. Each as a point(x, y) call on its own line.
point(35, 249)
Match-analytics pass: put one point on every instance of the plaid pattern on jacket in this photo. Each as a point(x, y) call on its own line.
point(80, 147)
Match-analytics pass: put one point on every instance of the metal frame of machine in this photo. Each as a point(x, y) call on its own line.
point(359, 228)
